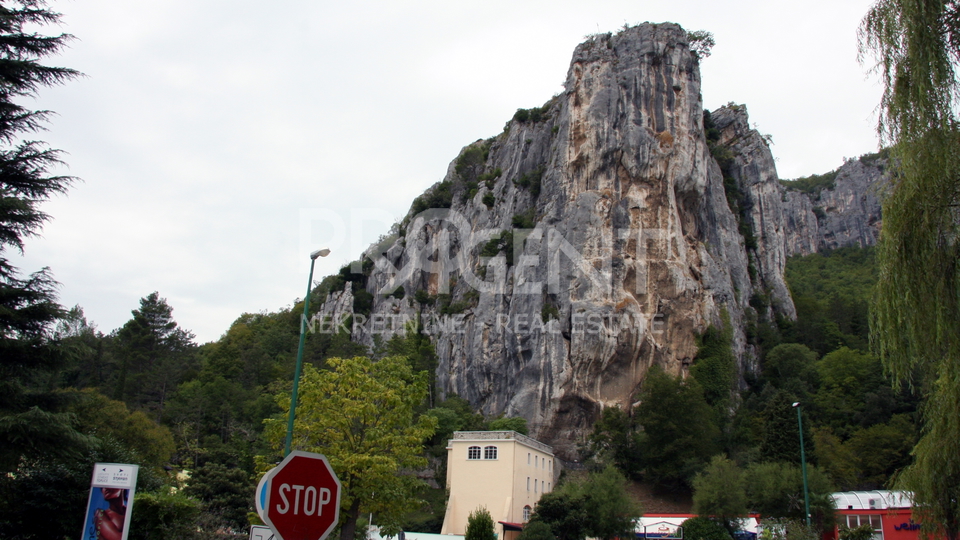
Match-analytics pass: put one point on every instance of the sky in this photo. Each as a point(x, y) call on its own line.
point(219, 142)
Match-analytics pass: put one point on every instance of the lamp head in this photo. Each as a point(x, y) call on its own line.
point(320, 253)
point(796, 403)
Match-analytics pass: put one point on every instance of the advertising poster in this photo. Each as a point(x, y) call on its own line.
point(111, 501)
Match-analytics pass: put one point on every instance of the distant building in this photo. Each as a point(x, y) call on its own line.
point(670, 527)
point(889, 513)
point(503, 471)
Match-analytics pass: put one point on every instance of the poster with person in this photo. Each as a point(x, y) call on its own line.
point(110, 502)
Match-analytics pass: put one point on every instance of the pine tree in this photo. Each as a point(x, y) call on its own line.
point(30, 424)
point(154, 354)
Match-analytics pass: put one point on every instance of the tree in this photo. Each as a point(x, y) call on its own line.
point(513, 423)
point(781, 431)
point(536, 530)
point(615, 442)
point(704, 528)
point(776, 490)
point(360, 414)
point(597, 506)
point(101, 417)
point(225, 491)
point(679, 435)
point(480, 526)
point(720, 492)
point(154, 355)
point(30, 421)
point(563, 513)
point(915, 321)
point(790, 367)
point(612, 511)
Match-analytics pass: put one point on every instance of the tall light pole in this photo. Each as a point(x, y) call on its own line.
point(803, 465)
point(303, 334)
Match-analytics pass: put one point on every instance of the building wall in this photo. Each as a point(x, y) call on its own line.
point(500, 485)
point(896, 523)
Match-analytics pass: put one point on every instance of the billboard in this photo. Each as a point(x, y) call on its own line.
point(111, 501)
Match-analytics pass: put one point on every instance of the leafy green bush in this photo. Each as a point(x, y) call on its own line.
point(398, 293)
point(813, 184)
point(422, 297)
point(524, 220)
point(531, 181)
point(162, 515)
point(439, 197)
point(473, 156)
point(703, 528)
point(534, 115)
point(549, 312)
point(489, 199)
point(470, 190)
point(490, 177)
point(480, 526)
point(495, 245)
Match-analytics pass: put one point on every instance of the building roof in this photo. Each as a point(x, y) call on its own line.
point(483, 436)
point(871, 500)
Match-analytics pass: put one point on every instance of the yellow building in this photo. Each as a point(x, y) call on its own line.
point(503, 471)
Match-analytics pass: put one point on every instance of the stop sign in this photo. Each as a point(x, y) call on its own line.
point(300, 497)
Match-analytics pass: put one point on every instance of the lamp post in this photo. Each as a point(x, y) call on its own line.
point(803, 465)
point(303, 334)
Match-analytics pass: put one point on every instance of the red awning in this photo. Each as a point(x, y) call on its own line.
point(507, 526)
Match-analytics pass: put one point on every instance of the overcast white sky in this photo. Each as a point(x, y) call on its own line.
point(220, 141)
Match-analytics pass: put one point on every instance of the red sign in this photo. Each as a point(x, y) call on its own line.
point(301, 497)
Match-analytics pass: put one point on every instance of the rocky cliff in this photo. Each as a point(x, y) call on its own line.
point(846, 212)
point(593, 238)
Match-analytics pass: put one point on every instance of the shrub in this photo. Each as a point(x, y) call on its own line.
point(702, 528)
point(531, 180)
point(398, 293)
point(470, 191)
point(422, 297)
point(489, 199)
point(813, 184)
point(441, 196)
point(495, 245)
point(471, 157)
point(524, 220)
point(549, 312)
point(480, 526)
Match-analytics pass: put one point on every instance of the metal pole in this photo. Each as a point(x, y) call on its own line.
point(303, 335)
point(803, 466)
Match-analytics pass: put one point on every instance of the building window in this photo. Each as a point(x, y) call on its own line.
point(490, 452)
point(548, 486)
point(536, 461)
point(874, 520)
point(473, 452)
point(551, 465)
point(528, 458)
point(526, 514)
point(535, 485)
point(528, 483)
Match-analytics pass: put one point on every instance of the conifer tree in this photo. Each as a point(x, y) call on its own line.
point(30, 424)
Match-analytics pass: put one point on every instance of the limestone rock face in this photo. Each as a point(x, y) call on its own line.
point(592, 239)
point(848, 214)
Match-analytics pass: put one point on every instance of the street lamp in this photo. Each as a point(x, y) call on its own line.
point(303, 334)
point(803, 465)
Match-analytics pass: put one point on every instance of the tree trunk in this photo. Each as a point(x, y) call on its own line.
point(348, 528)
